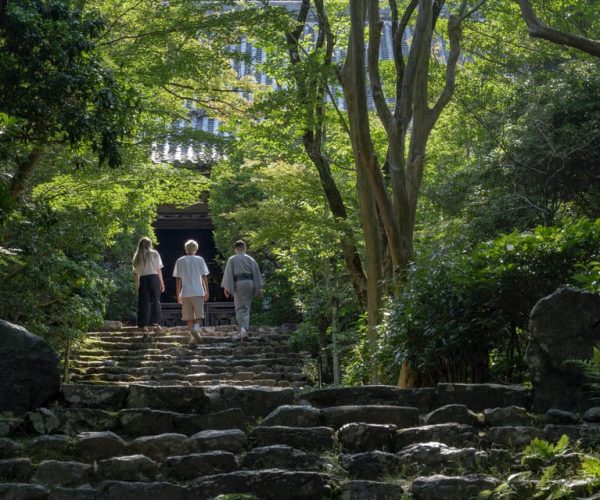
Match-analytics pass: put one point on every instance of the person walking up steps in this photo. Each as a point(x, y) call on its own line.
point(147, 271)
point(243, 280)
point(192, 287)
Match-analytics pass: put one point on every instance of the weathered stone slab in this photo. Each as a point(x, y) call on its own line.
point(15, 470)
point(81, 493)
point(10, 424)
point(478, 397)
point(281, 456)
point(359, 437)
point(78, 420)
point(454, 413)
point(106, 397)
point(43, 421)
point(401, 416)
point(441, 487)
point(253, 400)
point(554, 432)
point(144, 421)
point(497, 459)
point(22, 491)
point(372, 395)
point(98, 445)
point(161, 446)
point(371, 490)
point(370, 465)
point(30, 369)
point(227, 419)
point(449, 434)
point(232, 440)
point(304, 438)
point(134, 468)
point(583, 488)
point(592, 415)
point(266, 484)
point(111, 490)
point(436, 457)
point(175, 398)
point(561, 417)
point(56, 473)
point(510, 416)
point(192, 466)
point(564, 326)
point(294, 416)
point(8, 448)
point(512, 437)
point(51, 445)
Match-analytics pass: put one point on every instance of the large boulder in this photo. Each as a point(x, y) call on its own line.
point(30, 369)
point(564, 326)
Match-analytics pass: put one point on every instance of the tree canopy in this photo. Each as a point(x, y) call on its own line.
point(409, 201)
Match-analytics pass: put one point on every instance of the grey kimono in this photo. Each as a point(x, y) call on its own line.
point(242, 278)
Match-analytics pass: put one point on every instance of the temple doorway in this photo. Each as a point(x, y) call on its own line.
point(173, 227)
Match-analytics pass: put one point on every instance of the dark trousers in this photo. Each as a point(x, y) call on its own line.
point(149, 300)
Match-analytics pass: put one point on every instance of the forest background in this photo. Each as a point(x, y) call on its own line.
point(427, 256)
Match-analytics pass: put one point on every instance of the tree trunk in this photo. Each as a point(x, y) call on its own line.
point(338, 210)
point(335, 330)
point(311, 91)
point(24, 169)
point(370, 224)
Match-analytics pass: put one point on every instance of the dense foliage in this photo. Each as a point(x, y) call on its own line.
point(84, 94)
point(507, 211)
point(465, 316)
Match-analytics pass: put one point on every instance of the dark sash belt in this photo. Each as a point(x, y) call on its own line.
point(242, 277)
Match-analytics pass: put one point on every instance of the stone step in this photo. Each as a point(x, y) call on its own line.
point(176, 367)
point(172, 335)
point(227, 417)
point(230, 338)
point(476, 397)
point(189, 356)
point(213, 350)
point(185, 352)
point(199, 442)
point(270, 484)
point(254, 400)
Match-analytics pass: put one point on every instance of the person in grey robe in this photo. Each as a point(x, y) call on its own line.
point(243, 280)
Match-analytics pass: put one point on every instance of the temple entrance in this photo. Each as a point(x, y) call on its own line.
point(174, 226)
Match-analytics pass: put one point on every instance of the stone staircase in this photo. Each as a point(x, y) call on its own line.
point(123, 357)
point(187, 438)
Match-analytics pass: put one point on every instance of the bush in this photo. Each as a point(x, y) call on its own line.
point(464, 317)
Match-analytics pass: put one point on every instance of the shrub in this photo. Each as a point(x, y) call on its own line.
point(464, 317)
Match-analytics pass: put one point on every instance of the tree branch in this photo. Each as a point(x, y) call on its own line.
point(537, 29)
point(375, 25)
point(421, 34)
point(454, 35)
point(398, 29)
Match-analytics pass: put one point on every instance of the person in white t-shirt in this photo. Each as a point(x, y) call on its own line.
point(192, 287)
point(147, 270)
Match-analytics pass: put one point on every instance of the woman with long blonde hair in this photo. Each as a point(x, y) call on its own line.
point(147, 271)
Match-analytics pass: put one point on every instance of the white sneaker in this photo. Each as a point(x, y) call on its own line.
point(243, 332)
point(196, 332)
